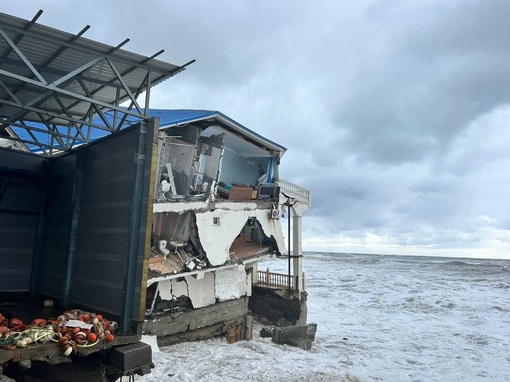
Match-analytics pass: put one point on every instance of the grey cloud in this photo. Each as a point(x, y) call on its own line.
point(420, 94)
point(395, 113)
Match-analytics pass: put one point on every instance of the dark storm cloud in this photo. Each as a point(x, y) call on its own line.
point(443, 67)
point(395, 113)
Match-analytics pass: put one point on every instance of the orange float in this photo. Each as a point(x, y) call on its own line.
point(39, 322)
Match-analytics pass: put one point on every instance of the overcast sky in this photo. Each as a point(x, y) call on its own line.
point(395, 113)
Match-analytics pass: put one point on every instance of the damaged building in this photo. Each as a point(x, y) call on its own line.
point(217, 202)
point(153, 218)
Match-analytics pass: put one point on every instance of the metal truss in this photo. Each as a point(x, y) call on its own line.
point(59, 90)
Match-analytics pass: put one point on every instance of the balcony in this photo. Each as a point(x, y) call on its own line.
point(270, 280)
point(292, 190)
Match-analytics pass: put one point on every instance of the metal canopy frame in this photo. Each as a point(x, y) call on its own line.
point(57, 84)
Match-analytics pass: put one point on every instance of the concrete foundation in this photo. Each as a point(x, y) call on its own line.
point(203, 323)
point(273, 305)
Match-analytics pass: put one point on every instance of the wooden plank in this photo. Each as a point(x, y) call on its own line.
point(171, 179)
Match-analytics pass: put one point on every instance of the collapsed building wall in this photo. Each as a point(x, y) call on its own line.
point(218, 285)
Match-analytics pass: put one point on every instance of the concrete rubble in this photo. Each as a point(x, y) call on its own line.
point(300, 336)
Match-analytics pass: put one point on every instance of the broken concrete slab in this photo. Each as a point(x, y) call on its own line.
point(300, 336)
point(262, 308)
point(300, 342)
point(270, 305)
point(248, 328)
point(207, 322)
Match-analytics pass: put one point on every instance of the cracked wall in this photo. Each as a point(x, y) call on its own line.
point(225, 284)
point(232, 283)
point(200, 292)
point(217, 239)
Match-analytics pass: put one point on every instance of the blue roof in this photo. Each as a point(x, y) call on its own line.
point(175, 117)
point(167, 117)
point(172, 117)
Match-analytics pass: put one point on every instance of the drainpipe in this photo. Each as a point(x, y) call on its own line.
point(297, 255)
point(297, 262)
point(288, 240)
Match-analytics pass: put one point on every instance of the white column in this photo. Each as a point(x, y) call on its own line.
point(254, 274)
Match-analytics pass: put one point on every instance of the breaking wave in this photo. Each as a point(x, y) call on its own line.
point(380, 319)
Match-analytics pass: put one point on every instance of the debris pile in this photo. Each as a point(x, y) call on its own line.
point(71, 330)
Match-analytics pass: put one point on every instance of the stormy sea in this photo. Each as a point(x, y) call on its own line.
point(380, 318)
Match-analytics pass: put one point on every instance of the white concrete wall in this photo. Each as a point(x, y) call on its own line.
point(200, 292)
point(225, 284)
point(169, 289)
point(272, 227)
point(217, 239)
point(232, 283)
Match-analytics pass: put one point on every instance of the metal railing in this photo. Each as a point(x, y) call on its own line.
point(266, 279)
point(294, 191)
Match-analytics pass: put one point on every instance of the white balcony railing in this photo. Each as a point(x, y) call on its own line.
point(294, 191)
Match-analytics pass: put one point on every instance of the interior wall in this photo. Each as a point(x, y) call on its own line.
point(237, 169)
point(180, 151)
point(174, 226)
point(211, 149)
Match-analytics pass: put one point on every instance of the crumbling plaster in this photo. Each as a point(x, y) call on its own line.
point(200, 292)
point(232, 283)
point(217, 230)
point(225, 284)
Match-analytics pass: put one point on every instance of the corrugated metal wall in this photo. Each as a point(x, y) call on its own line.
point(103, 230)
point(21, 187)
point(57, 224)
point(87, 226)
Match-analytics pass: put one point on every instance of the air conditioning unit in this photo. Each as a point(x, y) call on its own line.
point(268, 191)
point(274, 214)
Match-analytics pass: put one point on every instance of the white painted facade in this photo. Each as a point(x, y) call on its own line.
point(216, 239)
point(224, 284)
point(208, 233)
